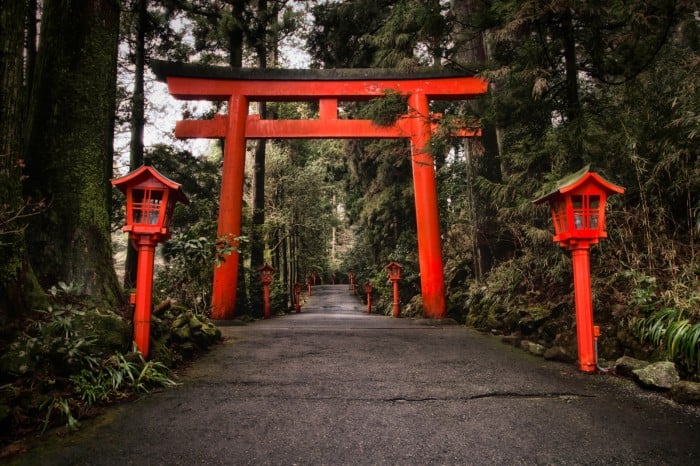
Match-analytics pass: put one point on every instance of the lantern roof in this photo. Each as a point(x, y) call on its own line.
point(266, 266)
point(143, 173)
point(394, 264)
point(577, 179)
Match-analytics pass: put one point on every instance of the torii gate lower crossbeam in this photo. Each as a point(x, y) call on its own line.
point(328, 87)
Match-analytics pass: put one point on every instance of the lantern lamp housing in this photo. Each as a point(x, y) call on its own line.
point(266, 272)
point(368, 287)
point(394, 269)
point(577, 205)
point(297, 288)
point(150, 201)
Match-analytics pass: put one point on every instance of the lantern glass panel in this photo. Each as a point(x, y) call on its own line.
point(577, 204)
point(594, 205)
point(586, 211)
point(169, 213)
point(147, 206)
point(559, 216)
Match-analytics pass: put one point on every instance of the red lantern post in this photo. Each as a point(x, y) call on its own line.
point(368, 292)
point(394, 269)
point(150, 201)
point(308, 283)
point(577, 206)
point(266, 272)
point(297, 297)
point(351, 275)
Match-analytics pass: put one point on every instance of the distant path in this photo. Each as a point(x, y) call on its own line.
point(333, 385)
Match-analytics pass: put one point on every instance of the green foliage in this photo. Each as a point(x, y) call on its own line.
point(187, 275)
point(70, 357)
point(385, 111)
point(117, 377)
point(675, 332)
point(668, 319)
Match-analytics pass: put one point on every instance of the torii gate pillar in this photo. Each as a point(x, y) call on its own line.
point(432, 278)
point(223, 300)
point(327, 87)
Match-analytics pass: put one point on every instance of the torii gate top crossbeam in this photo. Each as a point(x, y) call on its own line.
point(327, 87)
point(201, 82)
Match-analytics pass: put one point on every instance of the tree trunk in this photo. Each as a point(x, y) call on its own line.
point(573, 103)
point(19, 290)
point(479, 162)
point(257, 244)
point(137, 122)
point(69, 150)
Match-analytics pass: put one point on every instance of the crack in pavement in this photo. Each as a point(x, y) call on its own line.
point(560, 395)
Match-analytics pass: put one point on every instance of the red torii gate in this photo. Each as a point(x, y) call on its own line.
point(239, 87)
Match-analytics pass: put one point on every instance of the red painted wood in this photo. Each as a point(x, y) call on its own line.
point(584, 307)
point(230, 208)
point(425, 193)
point(303, 129)
point(452, 88)
point(146, 246)
point(328, 109)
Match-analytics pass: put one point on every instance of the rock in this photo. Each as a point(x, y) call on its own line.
point(160, 352)
point(659, 375)
point(533, 348)
point(183, 333)
point(559, 353)
point(685, 392)
point(195, 323)
point(626, 365)
point(532, 317)
point(113, 333)
point(212, 331)
point(513, 340)
point(180, 321)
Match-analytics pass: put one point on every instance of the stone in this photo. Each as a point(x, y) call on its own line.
point(513, 340)
point(659, 375)
point(533, 348)
point(112, 333)
point(685, 392)
point(183, 333)
point(626, 365)
point(195, 323)
point(558, 353)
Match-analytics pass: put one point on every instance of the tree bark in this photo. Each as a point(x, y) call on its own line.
point(573, 102)
point(471, 53)
point(137, 121)
point(69, 151)
point(19, 290)
point(257, 243)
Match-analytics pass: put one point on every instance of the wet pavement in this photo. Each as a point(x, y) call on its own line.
point(334, 385)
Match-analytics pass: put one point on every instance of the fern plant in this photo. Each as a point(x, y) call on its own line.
point(671, 329)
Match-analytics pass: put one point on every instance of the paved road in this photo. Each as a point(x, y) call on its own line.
point(334, 385)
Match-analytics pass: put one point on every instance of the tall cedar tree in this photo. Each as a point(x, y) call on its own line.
point(19, 290)
point(69, 150)
point(138, 118)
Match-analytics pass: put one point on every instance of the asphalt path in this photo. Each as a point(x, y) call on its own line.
point(333, 385)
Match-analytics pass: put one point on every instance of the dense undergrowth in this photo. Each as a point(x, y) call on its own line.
point(645, 314)
point(68, 362)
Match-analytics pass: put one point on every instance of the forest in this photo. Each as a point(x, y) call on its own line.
point(608, 84)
